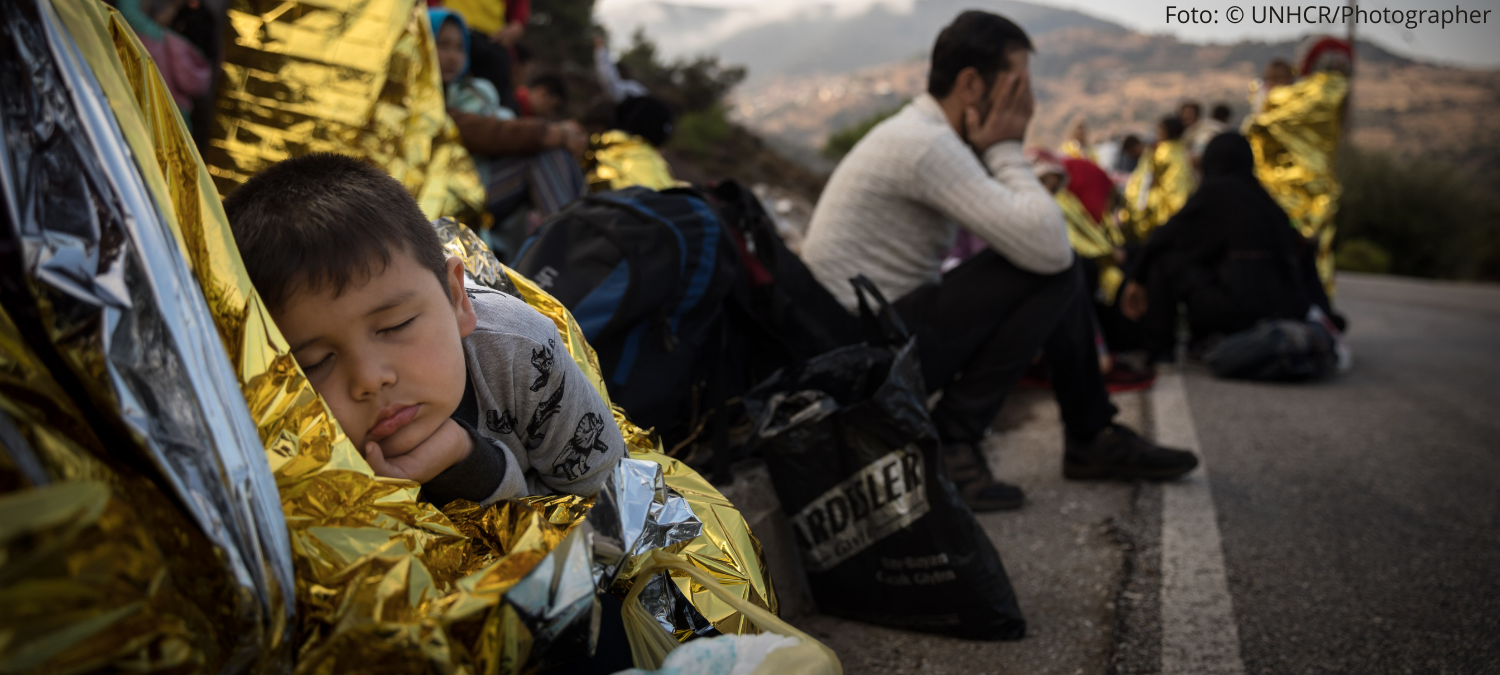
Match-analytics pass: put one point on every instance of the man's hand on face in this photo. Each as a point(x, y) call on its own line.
point(1010, 111)
point(447, 446)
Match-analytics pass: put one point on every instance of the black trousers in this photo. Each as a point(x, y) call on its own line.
point(978, 330)
point(1120, 334)
point(1211, 309)
point(491, 61)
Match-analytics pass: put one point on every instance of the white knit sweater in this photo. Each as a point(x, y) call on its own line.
point(889, 209)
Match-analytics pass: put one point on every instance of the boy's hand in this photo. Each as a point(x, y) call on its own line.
point(447, 446)
point(1010, 111)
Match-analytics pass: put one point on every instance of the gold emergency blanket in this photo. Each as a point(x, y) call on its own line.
point(188, 552)
point(356, 78)
point(63, 511)
point(383, 582)
point(1295, 139)
point(1072, 148)
point(618, 160)
point(1158, 189)
point(726, 549)
point(1095, 241)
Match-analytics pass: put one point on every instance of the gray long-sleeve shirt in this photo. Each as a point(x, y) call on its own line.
point(541, 427)
point(889, 209)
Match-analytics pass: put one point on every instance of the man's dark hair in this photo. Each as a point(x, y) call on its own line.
point(1221, 112)
point(978, 40)
point(1130, 141)
point(553, 85)
point(1193, 106)
point(322, 219)
point(1172, 124)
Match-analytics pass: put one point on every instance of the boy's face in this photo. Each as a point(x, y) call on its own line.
point(450, 48)
point(543, 103)
point(386, 353)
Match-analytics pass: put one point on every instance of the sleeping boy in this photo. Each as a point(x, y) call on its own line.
point(459, 387)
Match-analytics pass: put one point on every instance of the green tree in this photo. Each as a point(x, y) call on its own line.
point(562, 31)
point(689, 85)
point(1434, 219)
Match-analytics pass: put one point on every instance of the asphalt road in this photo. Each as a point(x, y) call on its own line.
point(1360, 518)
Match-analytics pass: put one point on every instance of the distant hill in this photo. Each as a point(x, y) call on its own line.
point(819, 75)
point(820, 41)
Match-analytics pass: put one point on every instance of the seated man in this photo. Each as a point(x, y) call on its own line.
point(464, 389)
point(888, 213)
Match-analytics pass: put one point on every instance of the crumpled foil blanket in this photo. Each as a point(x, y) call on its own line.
point(149, 407)
point(1295, 138)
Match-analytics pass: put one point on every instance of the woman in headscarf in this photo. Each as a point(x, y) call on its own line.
point(1230, 255)
point(528, 166)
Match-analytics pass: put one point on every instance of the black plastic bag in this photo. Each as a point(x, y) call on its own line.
point(1276, 350)
point(857, 464)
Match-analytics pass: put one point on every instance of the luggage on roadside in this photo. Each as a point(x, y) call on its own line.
point(803, 318)
point(646, 275)
point(688, 296)
point(858, 467)
point(1276, 350)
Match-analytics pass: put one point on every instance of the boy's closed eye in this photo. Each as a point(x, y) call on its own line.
point(319, 366)
point(397, 327)
point(313, 364)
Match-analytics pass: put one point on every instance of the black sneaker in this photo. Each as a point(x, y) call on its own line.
point(976, 485)
point(1118, 452)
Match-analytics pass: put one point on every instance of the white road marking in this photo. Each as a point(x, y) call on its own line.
point(1198, 633)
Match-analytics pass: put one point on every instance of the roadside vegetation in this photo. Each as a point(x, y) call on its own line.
point(1416, 217)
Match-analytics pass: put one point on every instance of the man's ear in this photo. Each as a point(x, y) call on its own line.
point(970, 85)
point(463, 308)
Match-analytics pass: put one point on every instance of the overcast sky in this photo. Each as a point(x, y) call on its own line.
point(1473, 45)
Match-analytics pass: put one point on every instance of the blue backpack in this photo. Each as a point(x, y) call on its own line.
point(646, 275)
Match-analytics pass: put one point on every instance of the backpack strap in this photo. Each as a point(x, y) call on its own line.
point(885, 327)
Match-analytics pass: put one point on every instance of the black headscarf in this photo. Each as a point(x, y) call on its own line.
point(1228, 158)
point(1236, 235)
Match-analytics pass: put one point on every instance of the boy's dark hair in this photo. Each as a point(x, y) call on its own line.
point(1221, 112)
point(978, 40)
point(1130, 141)
point(1192, 105)
point(324, 219)
point(553, 84)
point(1172, 124)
